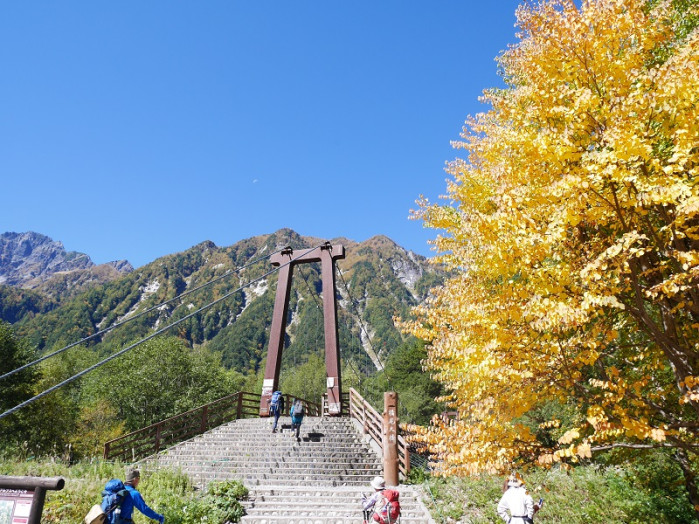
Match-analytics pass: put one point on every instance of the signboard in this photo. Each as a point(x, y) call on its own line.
point(15, 506)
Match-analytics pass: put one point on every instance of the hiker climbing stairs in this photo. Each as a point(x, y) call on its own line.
point(319, 480)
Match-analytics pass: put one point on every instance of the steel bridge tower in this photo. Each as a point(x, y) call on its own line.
point(287, 259)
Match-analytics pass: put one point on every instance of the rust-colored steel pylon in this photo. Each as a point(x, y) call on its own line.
point(326, 255)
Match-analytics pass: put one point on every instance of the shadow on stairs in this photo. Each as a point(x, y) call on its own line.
point(319, 480)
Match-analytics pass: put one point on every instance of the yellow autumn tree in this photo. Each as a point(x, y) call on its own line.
point(573, 227)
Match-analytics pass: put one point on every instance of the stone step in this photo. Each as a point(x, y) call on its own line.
point(311, 458)
point(287, 466)
point(249, 424)
point(271, 445)
point(201, 480)
point(273, 454)
point(316, 436)
point(266, 431)
point(319, 431)
point(324, 422)
point(296, 503)
point(285, 504)
point(305, 455)
point(297, 471)
point(279, 475)
point(319, 520)
point(319, 480)
point(314, 466)
point(324, 512)
point(351, 496)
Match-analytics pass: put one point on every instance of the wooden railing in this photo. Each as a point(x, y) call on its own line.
point(372, 422)
point(313, 409)
point(150, 440)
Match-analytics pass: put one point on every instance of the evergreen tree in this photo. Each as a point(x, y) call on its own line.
point(15, 389)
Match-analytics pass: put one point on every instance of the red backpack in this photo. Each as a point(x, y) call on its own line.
point(390, 511)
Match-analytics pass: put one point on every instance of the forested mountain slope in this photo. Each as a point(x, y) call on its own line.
point(376, 281)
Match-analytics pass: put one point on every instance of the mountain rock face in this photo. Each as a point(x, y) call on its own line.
point(27, 260)
point(375, 282)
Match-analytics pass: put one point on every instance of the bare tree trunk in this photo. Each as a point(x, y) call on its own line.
point(690, 480)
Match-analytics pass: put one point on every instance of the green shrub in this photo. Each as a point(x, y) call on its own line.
point(221, 504)
point(166, 491)
point(587, 494)
point(417, 475)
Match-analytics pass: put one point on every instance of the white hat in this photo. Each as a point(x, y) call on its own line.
point(378, 483)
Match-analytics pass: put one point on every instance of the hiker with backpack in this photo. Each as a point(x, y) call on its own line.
point(276, 408)
point(383, 506)
point(135, 500)
point(109, 511)
point(297, 412)
point(118, 502)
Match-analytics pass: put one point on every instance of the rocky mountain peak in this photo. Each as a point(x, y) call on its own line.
point(122, 266)
point(29, 259)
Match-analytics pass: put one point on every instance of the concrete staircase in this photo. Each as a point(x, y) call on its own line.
point(319, 480)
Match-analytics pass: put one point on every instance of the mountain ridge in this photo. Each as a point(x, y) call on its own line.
point(29, 259)
point(377, 280)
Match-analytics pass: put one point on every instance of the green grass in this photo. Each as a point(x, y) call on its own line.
point(589, 494)
point(166, 491)
point(585, 495)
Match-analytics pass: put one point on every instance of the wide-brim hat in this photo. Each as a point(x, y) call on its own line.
point(378, 483)
point(515, 480)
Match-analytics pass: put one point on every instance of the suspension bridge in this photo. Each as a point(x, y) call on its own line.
point(346, 441)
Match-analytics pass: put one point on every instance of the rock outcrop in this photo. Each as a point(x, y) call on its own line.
point(29, 259)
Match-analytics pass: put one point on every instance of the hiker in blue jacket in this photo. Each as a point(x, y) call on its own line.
point(135, 500)
point(297, 412)
point(276, 408)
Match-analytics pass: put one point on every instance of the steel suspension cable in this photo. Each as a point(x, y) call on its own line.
point(363, 328)
point(149, 337)
point(315, 299)
point(139, 315)
point(310, 291)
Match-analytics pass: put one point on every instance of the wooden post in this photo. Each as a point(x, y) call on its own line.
point(407, 458)
point(37, 506)
point(390, 438)
point(365, 425)
point(157, 438)
point(239, 409)
point(27, 490)
point(204, 419)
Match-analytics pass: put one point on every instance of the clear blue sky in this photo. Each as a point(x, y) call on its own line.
point(138, 129)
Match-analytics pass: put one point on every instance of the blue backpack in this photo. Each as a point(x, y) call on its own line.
point(112, 497)
point(276, 402)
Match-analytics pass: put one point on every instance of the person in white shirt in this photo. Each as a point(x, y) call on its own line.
point(516, 505)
